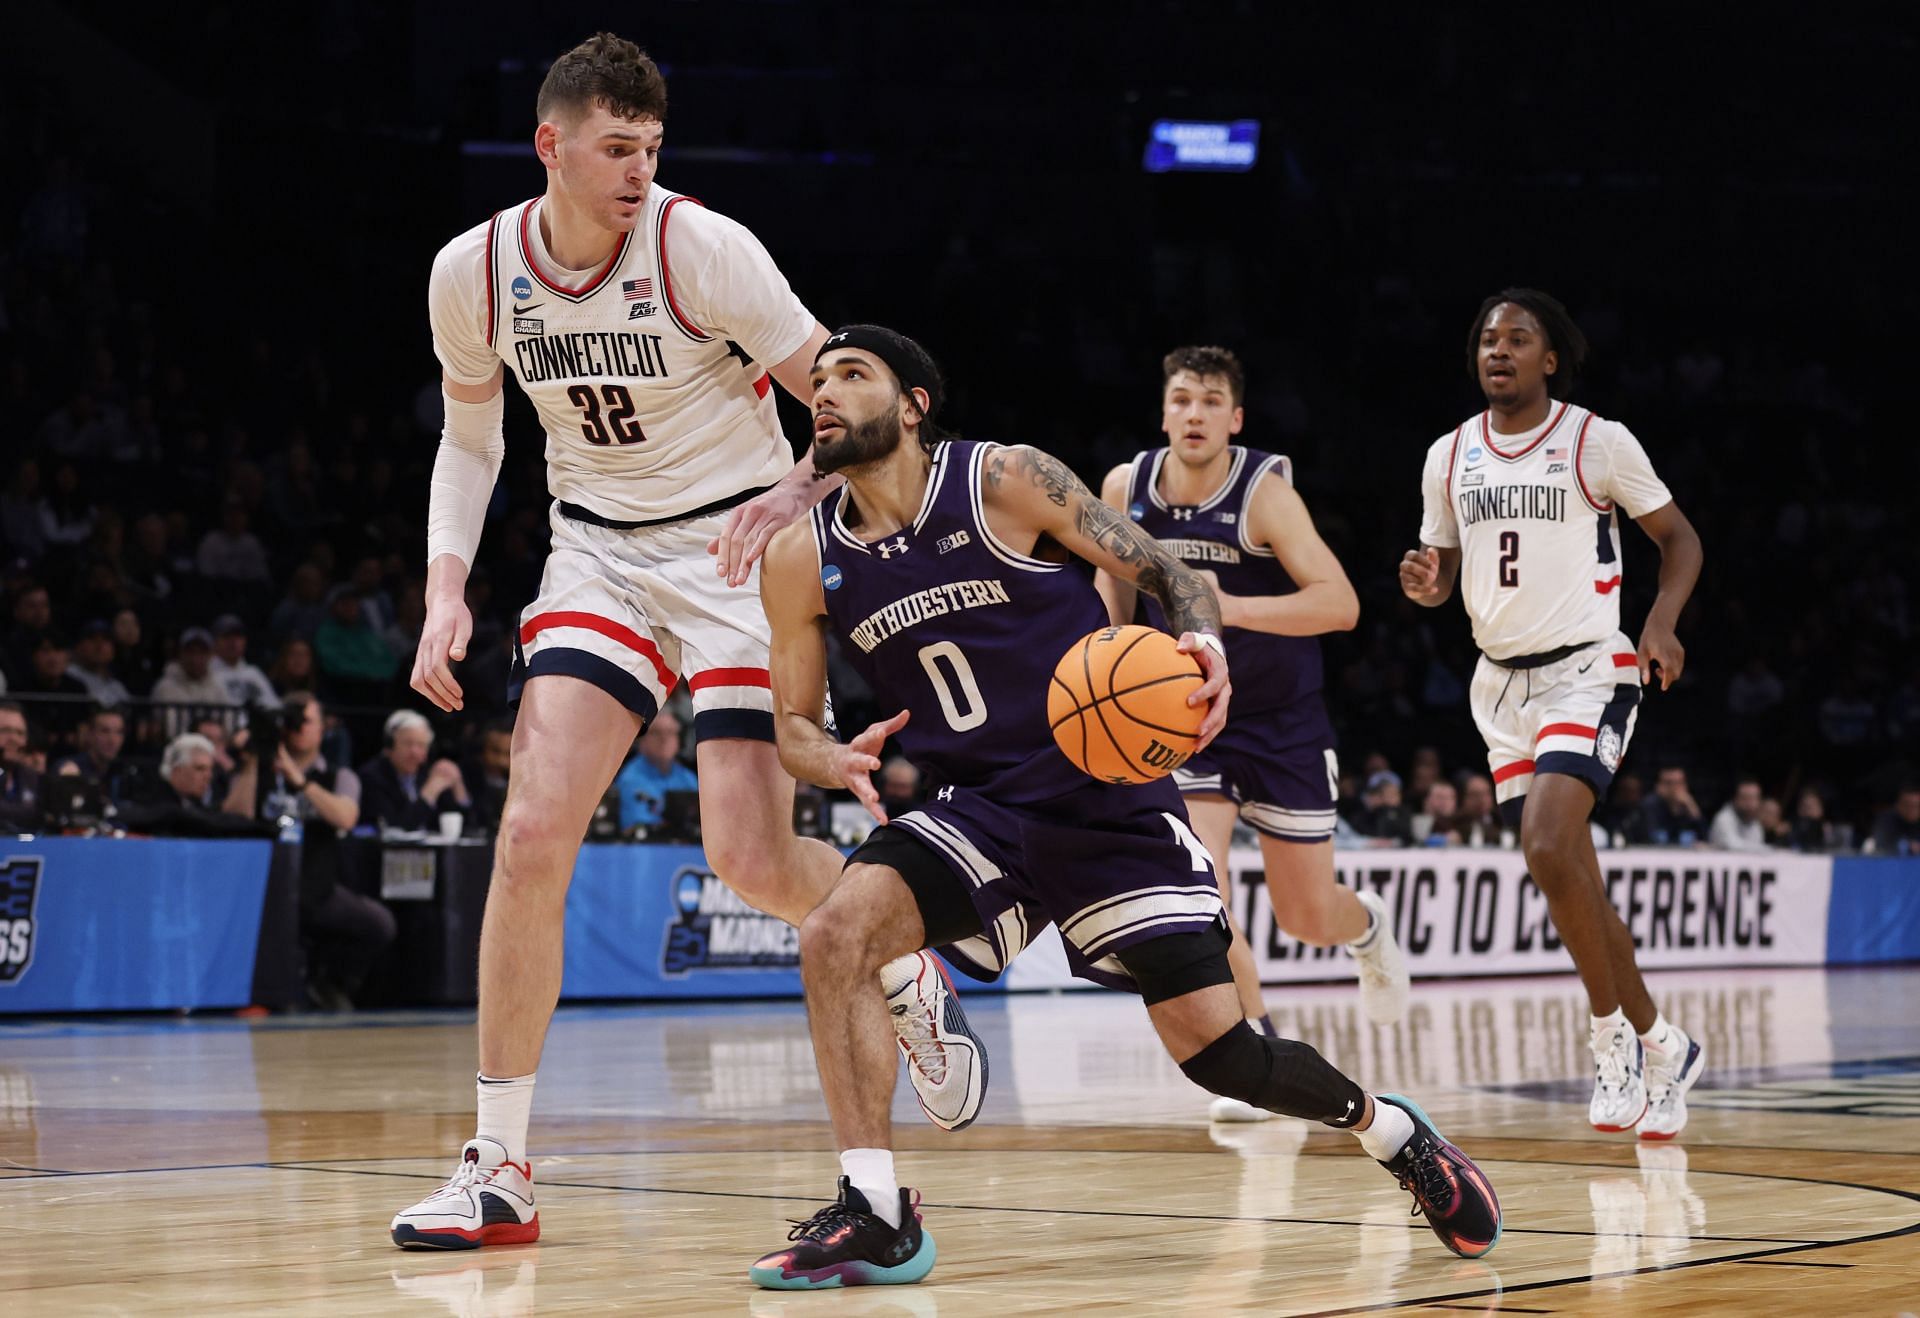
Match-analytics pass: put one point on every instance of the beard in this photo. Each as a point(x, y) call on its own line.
point(861, 443)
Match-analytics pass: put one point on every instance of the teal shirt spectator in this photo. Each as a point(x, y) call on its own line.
point(642, 789)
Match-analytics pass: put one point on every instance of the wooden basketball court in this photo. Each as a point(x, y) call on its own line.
point(214, 1166)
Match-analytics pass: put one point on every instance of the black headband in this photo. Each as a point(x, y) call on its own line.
point(905, 358)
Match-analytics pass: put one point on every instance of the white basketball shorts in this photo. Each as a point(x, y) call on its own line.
point(633, 612)
point(1572, 716)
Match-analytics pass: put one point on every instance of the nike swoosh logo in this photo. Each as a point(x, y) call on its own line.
point(1590, 663)
point(521, 311)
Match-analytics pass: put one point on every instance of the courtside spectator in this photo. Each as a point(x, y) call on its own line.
point(398, 790)
point(246, 685)
point(92, 664)
point(1896, 832)
point(1671, 816)
point(654, 770)
point(1736, 826)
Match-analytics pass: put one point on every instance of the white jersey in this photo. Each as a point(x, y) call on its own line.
point(1534, 517)
point(648, 373)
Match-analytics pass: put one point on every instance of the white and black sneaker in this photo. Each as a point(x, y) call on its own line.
point(946, 1061)
point(487, 1201)
point(1670, 1074)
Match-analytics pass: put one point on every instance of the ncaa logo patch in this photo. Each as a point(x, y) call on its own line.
point(831, 577)
point(523, 288)
point(19, 894)
point(1476, 453)
point(1136, 512)
point(1606, 748)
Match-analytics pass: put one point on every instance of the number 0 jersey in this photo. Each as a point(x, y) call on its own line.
point(1535, 518)
point(942, 619)
point(648, 373)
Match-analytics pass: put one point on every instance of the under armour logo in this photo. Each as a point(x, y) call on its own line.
point(1182, 514)
point(944, 794)
point(888, 548)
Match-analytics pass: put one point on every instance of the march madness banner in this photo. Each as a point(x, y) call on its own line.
point(1459, 912)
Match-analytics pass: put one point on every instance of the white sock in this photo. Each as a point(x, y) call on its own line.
point(1604, 1026)
point(504, 1108)
point(871, 1171)
point(1388, 1134)
point(1660, 1037)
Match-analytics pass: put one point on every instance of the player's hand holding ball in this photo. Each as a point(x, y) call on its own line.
point(859, 759)
point(1130, 704)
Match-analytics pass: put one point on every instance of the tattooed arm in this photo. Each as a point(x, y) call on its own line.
point(1030, 493)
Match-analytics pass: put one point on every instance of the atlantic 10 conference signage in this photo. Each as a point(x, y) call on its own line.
point(1460, 912)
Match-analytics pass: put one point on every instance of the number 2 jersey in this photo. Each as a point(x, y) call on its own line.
point(647, 372)
point(1535, 518)
point(943, 619)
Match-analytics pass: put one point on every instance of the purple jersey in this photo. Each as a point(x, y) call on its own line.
point(1270, 672)
point(942, 619)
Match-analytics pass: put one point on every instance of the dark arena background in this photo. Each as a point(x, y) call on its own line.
point(219, 412)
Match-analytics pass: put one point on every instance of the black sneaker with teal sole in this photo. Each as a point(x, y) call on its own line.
point(846, 1244)
point(1448, 1190)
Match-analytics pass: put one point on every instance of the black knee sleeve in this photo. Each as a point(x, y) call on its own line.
point(1280, 1075)
point(1174, 965)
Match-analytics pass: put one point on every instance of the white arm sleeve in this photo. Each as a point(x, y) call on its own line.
point(471, 447)
point(1437, 525)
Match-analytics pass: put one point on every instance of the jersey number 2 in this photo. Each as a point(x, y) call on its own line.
point(975, 712)
point(617, 426)
point(1509, 558)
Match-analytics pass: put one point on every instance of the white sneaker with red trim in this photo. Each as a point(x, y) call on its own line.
point(946, 1061)
point(487, 1201)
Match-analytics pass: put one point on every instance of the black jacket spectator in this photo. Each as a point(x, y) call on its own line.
point(390, 801)
point(1896, 832)
point(175, 804)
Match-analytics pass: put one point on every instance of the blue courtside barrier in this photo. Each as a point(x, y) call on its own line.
point(150, 924)
point(1874, 912)
point(129, 924)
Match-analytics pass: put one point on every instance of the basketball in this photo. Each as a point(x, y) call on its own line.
point(1118, 708)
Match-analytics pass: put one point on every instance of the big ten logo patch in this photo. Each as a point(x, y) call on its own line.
point(19, 894)
point(713, 929)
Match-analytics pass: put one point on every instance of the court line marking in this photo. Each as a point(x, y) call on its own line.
point(1759, 1254)
point(1412, 1224)
point(1782, 1248)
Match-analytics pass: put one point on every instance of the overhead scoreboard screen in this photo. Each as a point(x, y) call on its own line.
point(1210, 145)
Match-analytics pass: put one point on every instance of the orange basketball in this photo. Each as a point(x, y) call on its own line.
point(1118, 704)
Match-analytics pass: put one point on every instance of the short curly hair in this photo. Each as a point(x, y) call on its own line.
point(603, 70)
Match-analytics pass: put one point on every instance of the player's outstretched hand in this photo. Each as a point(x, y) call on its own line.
point(1658, 645)
point(750, 527)
point(860, 758)
point(443, 642)
point(1215, 691)
point(1420, 574)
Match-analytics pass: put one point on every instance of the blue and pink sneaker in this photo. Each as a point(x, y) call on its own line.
point(845, 1244)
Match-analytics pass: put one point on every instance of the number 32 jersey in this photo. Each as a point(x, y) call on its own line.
point(649, 372)
point(1536, 519)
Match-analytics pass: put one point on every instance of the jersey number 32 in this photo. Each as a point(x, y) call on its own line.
point(614, 425)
